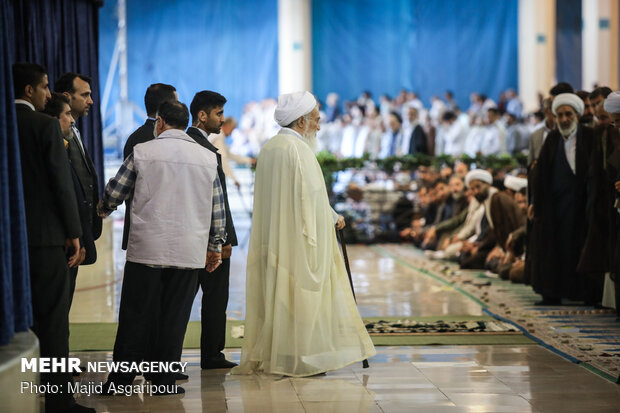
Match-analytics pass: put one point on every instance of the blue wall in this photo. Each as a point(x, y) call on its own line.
point(568, 43)
point(227, 46)
point(425, 46)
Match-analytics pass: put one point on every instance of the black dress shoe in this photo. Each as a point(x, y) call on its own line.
point(217, 364)
point(106, 390)
point(77, 373)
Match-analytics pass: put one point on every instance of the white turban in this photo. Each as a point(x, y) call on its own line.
point(478, 175)
point(569, 99)
point(292, 106)
point(515, 183)
point(612, 103)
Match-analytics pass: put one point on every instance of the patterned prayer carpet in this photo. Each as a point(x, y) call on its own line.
point(423, 331)
point(581, 334)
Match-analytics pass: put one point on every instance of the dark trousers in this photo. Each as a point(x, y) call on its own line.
point(153, 316)
point(72, 281)
point(49, 281)
point(213, 313)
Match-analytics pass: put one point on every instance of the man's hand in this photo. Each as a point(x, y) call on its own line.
point(82, 255)
point(226, 251)
point(430, 235)
point(72, 246)
point(214, 259)
point(617, 185)
point(100, 209)
point(340, 223)
point(530, 212)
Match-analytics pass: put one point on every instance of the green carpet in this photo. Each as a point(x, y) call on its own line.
point(100, 336)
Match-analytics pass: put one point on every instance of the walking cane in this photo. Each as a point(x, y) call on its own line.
point(346, 264)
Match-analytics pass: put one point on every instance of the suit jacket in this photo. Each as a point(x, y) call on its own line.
point(86, 240)
point(87, 175)
point(49, 197)
point(231, 235)
point(143, 134)
point(536, 143)
point(418, 141)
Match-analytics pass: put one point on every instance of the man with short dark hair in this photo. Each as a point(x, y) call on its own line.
point(455, 133)
point(52, 223)
point(207, 109)
point(597, 97)
point(155, 95)
point(494, 138)
point(537, 139)
point(58, 107)
point(391, 141)
point(178, 219)
point(76, 87)
point(587, 119)
point(562, 87)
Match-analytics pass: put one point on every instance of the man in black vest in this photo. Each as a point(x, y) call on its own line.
point(77, 88)
point(52, 222)
point(155, 95)
point(207, 111)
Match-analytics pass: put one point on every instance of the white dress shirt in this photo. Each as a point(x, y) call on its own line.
point(570, 146)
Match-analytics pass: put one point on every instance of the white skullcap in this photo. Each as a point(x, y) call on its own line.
point(569, 99)
point(612, 103)
point(515, 183)
point(478, 175)
point(292, 106)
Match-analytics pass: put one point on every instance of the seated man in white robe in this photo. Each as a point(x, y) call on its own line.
point(494, 138)
point(301, 315)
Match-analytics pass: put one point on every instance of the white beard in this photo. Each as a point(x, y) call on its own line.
point(311, 140)
point(567, 132)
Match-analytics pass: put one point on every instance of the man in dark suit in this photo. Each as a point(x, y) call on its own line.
point(418, 141)
point(59, 107)
point(77, 88)
point(207, 109)
point(155, 95)
point(52, 222)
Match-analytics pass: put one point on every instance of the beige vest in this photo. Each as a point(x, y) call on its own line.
point(172, 203)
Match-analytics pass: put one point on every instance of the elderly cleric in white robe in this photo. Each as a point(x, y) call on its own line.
point(301, 318)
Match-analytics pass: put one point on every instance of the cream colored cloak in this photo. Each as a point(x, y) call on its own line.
point(301, 318)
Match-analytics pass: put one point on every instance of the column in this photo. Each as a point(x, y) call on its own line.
point(536, 50)
point(294, 45)
point(600, 43)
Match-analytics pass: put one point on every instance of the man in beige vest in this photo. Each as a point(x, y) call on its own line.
point(177, 227)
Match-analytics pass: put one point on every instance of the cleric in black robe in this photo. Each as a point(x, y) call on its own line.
point(600, 243)
point(601, 253)
point(560, 194)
